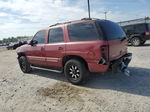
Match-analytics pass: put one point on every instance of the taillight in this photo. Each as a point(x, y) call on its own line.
point(147, 33)
point(104, 52)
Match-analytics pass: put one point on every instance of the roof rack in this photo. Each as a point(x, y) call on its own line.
point(60, 23)
point(71, 21)
point(86, 19)
point(55, 24)
point(89, 18)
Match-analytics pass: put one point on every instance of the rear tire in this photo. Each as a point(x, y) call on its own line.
point(136, 41)
point(24, 64)
point(76, 71)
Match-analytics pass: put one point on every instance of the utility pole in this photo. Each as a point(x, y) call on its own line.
point(105, 15)
point(89, 8)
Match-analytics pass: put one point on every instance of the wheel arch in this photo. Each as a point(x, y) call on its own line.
point(69, 57)
point(21, 54)
point(134, 36)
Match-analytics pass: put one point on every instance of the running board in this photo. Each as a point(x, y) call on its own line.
point(40, 68)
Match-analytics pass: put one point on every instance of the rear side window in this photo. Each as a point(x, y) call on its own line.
point(83, 32)
point(55, 35)
point(40, 37)
point(128, 29)
point(111, 30)
point(139, 28)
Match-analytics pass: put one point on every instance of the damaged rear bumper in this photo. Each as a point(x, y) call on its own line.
point(121, 64)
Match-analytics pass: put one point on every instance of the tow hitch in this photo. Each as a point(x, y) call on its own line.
point(124, 69)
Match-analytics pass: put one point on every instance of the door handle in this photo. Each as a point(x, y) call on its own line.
point(60, 48)
point(42, 48)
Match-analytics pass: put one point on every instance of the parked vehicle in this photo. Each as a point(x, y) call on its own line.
point(77, 48)
point(138, 33)
point(10, 46)
point(16, 45)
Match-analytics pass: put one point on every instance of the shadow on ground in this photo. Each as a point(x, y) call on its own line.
point(138, 83)
point(145, 45)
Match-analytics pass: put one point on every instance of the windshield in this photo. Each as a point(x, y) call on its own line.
point(111, 30)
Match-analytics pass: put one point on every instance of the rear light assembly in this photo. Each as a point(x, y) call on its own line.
point(147, 33)
point(104, 54)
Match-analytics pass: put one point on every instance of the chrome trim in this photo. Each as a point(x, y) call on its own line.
point(36, 58)
point(52, 60)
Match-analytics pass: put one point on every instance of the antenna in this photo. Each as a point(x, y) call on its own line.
point(89, 8)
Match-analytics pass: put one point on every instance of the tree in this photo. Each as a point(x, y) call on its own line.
point(15, 39)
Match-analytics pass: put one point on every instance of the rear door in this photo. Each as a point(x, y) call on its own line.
point(55, 48)
point(116, 39)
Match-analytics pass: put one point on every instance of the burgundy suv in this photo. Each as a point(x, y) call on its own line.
point(77, 48)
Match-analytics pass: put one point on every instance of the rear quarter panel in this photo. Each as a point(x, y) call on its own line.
point(88, 50)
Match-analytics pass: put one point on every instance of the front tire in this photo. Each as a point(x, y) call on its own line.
point(136, 41)
point(76, 71)
point(24, 64)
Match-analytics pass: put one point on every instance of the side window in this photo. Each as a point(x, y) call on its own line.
point(129, 29)
point(140, 28)
point(83, 32)
point(40, 37)
point(55, 35)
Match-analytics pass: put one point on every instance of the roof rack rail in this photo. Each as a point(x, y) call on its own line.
point(54, 24)
point(71, 21)
point(59, 23)
point(86, 19)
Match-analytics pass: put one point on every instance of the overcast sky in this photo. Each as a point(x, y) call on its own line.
point(25, 17)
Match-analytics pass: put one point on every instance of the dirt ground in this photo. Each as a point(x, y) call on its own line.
point(2, 48)
point(42, 91)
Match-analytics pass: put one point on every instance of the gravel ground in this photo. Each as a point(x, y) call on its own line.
point(42, 91)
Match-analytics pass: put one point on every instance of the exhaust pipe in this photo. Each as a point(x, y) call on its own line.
point(126, 72)
point(124, 69)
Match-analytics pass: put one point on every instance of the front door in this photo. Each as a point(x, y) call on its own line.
point(36, 51)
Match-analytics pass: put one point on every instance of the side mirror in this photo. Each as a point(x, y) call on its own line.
point(33, 42)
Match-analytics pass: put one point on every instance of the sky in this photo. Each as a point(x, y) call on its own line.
point(26, 17)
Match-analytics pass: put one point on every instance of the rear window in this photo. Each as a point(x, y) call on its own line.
point(128, 29)
point(83, 32)
point(111, 30)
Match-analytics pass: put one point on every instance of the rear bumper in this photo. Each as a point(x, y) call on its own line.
point(113, 65)
point(116, 64)
point(95, 67)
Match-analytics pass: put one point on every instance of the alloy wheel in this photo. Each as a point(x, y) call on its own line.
point(74, 72)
